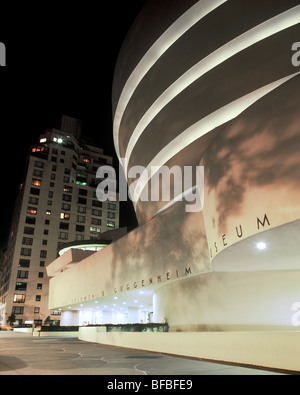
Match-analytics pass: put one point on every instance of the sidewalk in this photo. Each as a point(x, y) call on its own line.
point(22, 354)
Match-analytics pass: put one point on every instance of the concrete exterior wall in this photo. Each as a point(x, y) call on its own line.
point(148, 256)
point(278, 350)
point(233, 301)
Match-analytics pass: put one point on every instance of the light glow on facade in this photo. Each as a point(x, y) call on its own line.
point(253, 36)
point(261, 245)
point(200, 128)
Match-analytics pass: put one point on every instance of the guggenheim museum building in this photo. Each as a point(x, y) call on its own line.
point(208, 91)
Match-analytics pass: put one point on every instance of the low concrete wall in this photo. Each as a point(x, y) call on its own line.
point(38, 333)
point(56, 334)
point(23, 330)
point(276, 350)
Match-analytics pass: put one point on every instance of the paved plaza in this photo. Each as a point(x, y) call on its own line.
point(22, 354)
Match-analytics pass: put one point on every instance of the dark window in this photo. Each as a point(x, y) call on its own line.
point(79, 228)
point(96, 203)
point(25, 251)
point(64, 225)
point(83, 192)
point(39, 164)
point(24, 263)
point(81, 200)
point(17, 310)
point(28, 231)
point(30, 220)
point(43, 254)
point(67, 198)
point(34, 191)
point(21, 287)
point(22, 274)
point(27, 241)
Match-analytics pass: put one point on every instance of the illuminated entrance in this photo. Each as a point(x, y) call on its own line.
point(129, 307)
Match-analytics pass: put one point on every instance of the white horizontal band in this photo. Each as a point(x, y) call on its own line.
point(205, 125)
point(256, 34)
point(177, 199)
point(168, 38)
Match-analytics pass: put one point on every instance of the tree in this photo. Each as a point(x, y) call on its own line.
point(11, 319)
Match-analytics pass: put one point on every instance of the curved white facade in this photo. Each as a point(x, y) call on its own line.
point(199, 84)
point(192, 72)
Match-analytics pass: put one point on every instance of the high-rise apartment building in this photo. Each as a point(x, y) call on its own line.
point(57, 203)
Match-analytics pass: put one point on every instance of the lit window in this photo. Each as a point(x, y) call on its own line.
point(43, 140)
point(57, 140)
point(39, 148)
point(36, 182)
point(94, 229)
point(19, 299)
point(64, 216)
point(48, 212)
point(68, 189)
point(31, 210)
point(87, 160)
point(110, 224)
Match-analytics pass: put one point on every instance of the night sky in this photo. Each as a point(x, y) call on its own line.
point(60, 60)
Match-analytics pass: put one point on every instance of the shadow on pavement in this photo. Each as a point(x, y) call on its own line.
point(11, 363)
